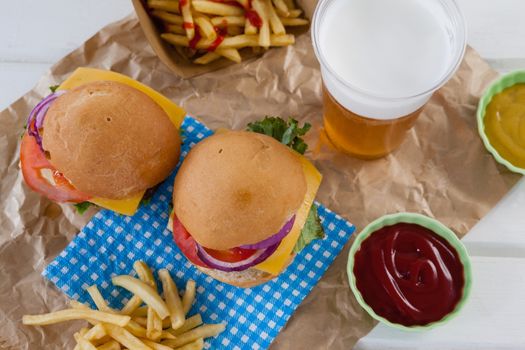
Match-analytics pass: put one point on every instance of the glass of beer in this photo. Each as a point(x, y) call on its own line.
point(381, 61)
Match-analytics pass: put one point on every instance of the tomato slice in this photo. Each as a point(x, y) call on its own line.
point(188, 246)
point(231, 255)
point(33, 161)
point(186, 243)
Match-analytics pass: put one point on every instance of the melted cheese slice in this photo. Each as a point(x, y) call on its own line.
point(176, 114)
point(281, 257)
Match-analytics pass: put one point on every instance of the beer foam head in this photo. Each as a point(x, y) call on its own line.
point(396, 53)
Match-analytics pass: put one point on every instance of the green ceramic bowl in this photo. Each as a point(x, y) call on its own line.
point(495, 88)
point(432, 225)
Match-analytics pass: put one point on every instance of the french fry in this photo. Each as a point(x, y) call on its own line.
point(244, 3)
point(140, 312)
point(177, 40)
point(240, 41)
point(144, 272)
point(223, 21)
point(132, 304)
point(110, 345)
point(136, 329)
point(189, 296)
point(185, 9)
point(275, 23)
point(282, 40)
point(207, 58)
point(153, 325)
point(281, 8)
point(289, 4)
point(294, 13)
point(83, 343)
point(171, 295)
point(78, 305)
point(205, 331)
point(249, 28)
point(155, 346)
point(290, 22)
point(215, 8)
point(168, 17)
point(264, 31)
point(190, 323)
point(125, 338)
point(175, 28)
point(101, 341)
point(144, 291)
point(183, 41)
point(167, 335)
point(233, 55)
point(195, 345)
point(206, 27)
point(95, 333)
point(234, 30)
point(77, 346)
point(75, 314)
point(143, 321)
point(97, 298)
point(164, 5)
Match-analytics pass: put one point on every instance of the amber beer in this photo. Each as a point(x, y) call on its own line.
point(381, 61)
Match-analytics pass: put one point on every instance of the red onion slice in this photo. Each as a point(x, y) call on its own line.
point(35, 121)
point(258, 257)
point(272, 240)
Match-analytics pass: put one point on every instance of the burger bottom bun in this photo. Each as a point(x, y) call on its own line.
point(243, 279)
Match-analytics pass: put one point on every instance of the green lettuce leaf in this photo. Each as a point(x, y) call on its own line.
point(82, 207)
point(312, 229)
point(287, 132)
point(54, 88)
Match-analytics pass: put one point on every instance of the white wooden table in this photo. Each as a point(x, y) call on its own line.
point(35, 34)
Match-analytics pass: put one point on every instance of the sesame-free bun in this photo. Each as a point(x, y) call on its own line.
point(110, 140)
point(237, 188)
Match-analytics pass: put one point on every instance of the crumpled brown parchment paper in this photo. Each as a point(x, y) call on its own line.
point(442, 170)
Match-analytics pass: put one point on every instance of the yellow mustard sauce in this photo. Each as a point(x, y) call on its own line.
point(505, 124)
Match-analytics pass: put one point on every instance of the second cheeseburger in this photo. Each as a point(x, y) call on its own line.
point(243, 206)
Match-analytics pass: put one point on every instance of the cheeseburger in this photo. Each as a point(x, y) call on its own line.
point(104, 141)
point(243, 206)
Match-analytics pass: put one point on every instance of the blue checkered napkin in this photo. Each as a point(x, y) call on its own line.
point(110, 243)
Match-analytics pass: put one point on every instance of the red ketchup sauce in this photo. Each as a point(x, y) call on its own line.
point(193, 42)
point(221, 33)
point(408, 274)
point(253, 17)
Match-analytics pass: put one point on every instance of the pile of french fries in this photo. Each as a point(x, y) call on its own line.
point(160, 324)
point(211, 29)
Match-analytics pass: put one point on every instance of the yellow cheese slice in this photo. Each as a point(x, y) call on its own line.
point(176, 114)
point(126, 206)
point(280, 258)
